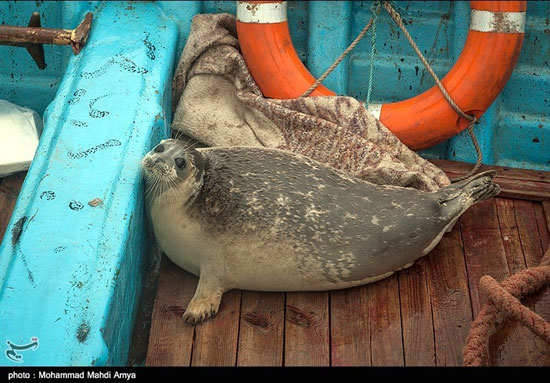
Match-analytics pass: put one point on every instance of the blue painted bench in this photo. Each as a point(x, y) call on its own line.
point(74, 253)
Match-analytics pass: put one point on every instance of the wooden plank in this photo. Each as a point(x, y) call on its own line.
point(519, 189)
point(546, 211)
point(261, 334)
point(9, 191)
point(483, 248)
point(307, 329)
point(510, 235)
point(171, 339)
point(486, 255)
point(529, 232)
point(416, 316)
point(350, 327)
point(533, 251)
point(216, 339)
point(139, 343)
point(450, 298)
point(385, 323)
point(513, 344)
point(514, 183)
point(502, 171)
point(543, 226)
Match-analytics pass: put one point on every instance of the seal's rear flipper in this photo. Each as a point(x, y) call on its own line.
point(458, 197)
point(461, 184)
point(477, 188)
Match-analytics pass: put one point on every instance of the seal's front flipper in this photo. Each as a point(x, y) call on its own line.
point(206, 301)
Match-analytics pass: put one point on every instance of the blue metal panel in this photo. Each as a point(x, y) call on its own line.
point(70, 272)
point(322, 28)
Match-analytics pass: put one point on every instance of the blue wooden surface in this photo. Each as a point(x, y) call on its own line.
point(71, 273)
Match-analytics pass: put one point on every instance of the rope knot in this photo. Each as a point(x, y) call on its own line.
point(504, 301)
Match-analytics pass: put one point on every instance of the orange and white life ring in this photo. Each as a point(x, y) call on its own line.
point(487, 60)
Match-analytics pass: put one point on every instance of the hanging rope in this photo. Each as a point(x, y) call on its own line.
point(375, 9)
point(340, 58)
point(471, 118)
point(399, 21)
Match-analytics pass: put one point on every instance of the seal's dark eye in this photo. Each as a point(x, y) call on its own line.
point(159, 149)
point(180, 163)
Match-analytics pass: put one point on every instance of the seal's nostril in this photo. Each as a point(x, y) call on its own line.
point(159, 149)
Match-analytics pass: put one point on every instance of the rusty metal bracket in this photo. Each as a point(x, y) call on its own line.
point(33, 37)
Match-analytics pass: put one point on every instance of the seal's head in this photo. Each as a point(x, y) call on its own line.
point(175, 170)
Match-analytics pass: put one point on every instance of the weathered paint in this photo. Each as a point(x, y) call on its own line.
point(261, 12)
point(501, 22)
point(515, 130)
point(71, 272)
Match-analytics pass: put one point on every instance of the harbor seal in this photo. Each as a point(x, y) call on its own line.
point(271, 220)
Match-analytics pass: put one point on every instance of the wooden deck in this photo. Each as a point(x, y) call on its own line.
point(417, 317)
point(420, 316)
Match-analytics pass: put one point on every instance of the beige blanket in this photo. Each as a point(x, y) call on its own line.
point(218, 103)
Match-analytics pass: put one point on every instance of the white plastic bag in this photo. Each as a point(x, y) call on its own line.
point(20, 129)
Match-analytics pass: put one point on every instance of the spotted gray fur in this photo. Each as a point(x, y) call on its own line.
point(256, 206)
point(367, 229)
